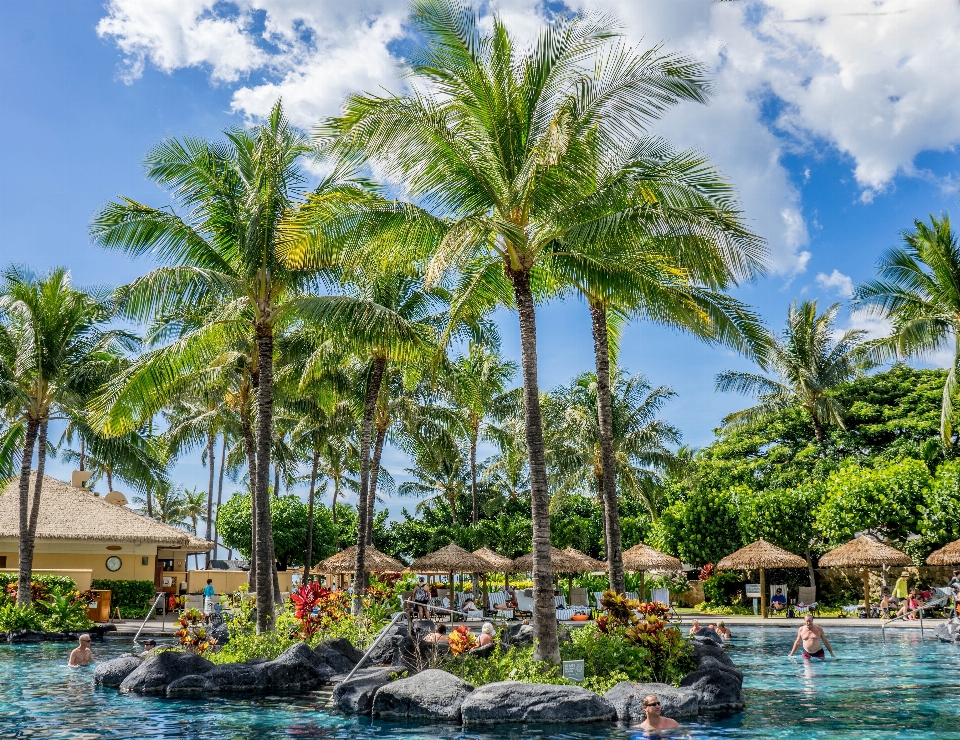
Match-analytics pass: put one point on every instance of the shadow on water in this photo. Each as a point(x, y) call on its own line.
point(900, 689)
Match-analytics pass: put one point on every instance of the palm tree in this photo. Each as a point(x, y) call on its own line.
point(54, 354)
point(168, 505)
point(641, 441)
point(919, 290)
point(475, 384)
point(439, 472)
point(193, 508)
point(809, 361)
point(241, 200)
point(506, 146)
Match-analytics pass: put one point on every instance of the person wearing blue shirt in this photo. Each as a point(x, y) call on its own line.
point(209, 594)
point(778, 602)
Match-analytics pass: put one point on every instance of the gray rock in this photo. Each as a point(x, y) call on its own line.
point(356, 695)
point(948, 631)
point(424, 627)
point(383, 653)
point(519, 635)
point(331, 661)
point(708, 649)
point(342, 646)
point(483, 651)
point(221, 634)
point(188, 687)
point(154, 675)
point(512, 701)
point(627, 698)
point(229, 678)
point(432, 694)
point(705, 634)
point(295, 671)
point(111, 673)
point(711, 662)
point(718, 691)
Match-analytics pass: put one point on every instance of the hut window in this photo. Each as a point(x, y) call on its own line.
point(3, 561)
point(167, 564)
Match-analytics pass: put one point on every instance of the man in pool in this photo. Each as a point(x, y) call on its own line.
point(654, 721)
point(813, 639)
point(81, 656)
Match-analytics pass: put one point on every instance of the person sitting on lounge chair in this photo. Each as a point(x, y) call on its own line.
point(778, 602)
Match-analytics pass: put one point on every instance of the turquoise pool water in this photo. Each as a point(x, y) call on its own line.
point(903, 688)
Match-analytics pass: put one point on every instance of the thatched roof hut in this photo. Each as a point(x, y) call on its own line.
point(592, 564)
point(761, 554)
point(498, 563)
point(947, 555)
point(562, 563)
point(69, 513)
point(863, 552)
point(642, 557)
point(450, 559)
point(345, 561)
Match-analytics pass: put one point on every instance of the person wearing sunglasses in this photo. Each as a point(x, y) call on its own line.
point(81, 655)
point(654, 721)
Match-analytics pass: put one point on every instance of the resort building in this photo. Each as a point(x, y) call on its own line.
point(85, 536)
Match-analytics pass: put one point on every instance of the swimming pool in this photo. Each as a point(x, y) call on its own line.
point(900, 689)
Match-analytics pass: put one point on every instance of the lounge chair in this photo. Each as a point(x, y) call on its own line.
point(598, 597)
point(496, 598)
point(564, 611)
point(773, 592)
point(806, 600)
point(578, 597)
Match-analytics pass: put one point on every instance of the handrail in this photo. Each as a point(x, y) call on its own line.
point(149, 612)
point(932, 604)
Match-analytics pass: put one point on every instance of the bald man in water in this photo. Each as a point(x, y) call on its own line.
point(813, 639)
point(651, 705)
point(81, 656)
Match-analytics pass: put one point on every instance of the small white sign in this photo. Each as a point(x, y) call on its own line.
point(573, 670)
point(753, 591)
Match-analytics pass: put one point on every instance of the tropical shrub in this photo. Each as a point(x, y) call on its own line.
point(192, 635)
point(133, 598)
point(13, 617)
point(66, 611)
point(702, 528)
point(723, 588)
point(315, 607)
point(504, 664)
point(48, 581)
point(462, 640)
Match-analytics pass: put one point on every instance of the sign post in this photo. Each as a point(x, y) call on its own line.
point(754, 592)
point(573, 670)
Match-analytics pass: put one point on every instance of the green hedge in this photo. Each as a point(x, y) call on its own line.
point(133, 597)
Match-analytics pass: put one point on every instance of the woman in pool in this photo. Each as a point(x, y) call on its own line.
point(723, 631)
point(694, 627)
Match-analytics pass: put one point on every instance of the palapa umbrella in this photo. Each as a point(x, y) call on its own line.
point(589, 564)
point(562, 562)
point(345, 562)
point(497, 564)
point(947, 555)
point(447, 560)
point(762, 555)
point(864, 552)
point(642, 558)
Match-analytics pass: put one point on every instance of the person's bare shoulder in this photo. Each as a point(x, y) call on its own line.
point(668, 724)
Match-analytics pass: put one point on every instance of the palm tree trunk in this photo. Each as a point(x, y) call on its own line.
point(473, 476)
point(211, 439)
point(308, 560)
point(109, 471)
point(544, 607)
point(26, 544)
point(333, 511)
point(276, 480)
point(83, 457)
point(223, 461)
point(266, 562)
point(611, 512)
point(250, 447)
point(810, 570)
point(374, 477)
point(369, 407)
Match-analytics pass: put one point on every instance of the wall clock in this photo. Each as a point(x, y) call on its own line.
point(114, 563)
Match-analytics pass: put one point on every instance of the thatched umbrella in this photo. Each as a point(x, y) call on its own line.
point(589, 564)
point(497, 564)
point(761, 555)
point(345, 562)
point(641, 557)
point(864, 552)
point(562, 562)
point(449, 559)
point(947, 555)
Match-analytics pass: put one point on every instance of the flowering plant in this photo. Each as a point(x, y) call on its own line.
point(462, 640)
point(192, 634)
point(706, 571)
point(315, 607)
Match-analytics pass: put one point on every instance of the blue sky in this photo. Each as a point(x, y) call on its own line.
point(839, 128)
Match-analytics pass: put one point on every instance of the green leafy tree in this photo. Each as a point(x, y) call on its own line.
point(291, 521)
point(886, 501)
point(702, 528)
point(809, 362)
point(919, 290)
point(941, 512)
point(55, 353)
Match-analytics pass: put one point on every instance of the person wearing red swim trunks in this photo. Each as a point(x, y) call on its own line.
point(813, 639)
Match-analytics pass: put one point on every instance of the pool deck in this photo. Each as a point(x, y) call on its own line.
point(156, 627)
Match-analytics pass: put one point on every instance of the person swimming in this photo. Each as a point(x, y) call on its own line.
point(654, 720)
point(81, 655)
point(813, 639)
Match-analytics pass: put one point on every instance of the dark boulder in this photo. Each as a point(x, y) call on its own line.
point(111, 673)
point(188, 687)
point(718, 691)
point(708, 655)
point(518, 635)
point(342, 646)
point(356, 695)
point(295, 671)
point(627, 698)
point(229, 678)
point(431, 694)
point(512, 701)
point(483, 651)
point(705, 634)
point(221, 634)
point(383, 653)
point(155, 674)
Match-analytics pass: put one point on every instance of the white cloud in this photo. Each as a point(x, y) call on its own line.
point(837, 281)
point(870, 78)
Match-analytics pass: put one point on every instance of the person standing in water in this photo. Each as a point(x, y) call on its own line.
point(654, 721)
point(813, 640)
point(81, 656)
